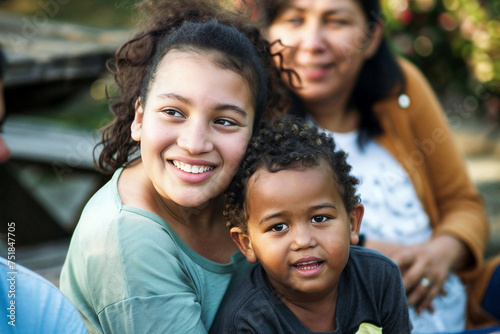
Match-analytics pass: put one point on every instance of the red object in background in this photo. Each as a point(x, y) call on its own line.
point(405, 17)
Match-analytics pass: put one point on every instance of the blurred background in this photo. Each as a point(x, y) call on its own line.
point(56, 101)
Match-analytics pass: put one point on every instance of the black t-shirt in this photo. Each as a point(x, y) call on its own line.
point(371, 293)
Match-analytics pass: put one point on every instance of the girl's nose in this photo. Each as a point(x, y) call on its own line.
point(194, 137)
point(303, 237)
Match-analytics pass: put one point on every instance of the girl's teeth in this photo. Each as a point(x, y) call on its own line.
point(191, 169)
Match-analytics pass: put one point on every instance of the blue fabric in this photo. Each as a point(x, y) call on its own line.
point(491, 299)
point(487, 330)
point(31, 304)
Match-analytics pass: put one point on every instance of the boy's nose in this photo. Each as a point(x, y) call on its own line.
point(195, 138)
point(303, 238)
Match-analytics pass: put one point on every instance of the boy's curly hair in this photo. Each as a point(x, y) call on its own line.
point(288, 143)
point(135, 58)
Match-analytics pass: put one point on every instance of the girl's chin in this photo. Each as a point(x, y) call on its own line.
point(193, 203)
point(196, 201)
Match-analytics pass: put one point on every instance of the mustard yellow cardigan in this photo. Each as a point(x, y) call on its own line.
point(419, 136)
point(417, 133)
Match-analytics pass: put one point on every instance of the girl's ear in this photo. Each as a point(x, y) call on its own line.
point(242, 240)
point(355, 221)
point(374, 40)
point(136, 126)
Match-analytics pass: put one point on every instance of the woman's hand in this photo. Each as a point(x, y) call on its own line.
point(425, 267)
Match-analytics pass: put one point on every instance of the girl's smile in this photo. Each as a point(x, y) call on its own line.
point(192, 173)
point(193, 127)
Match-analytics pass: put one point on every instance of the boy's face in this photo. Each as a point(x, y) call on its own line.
point(298, 229)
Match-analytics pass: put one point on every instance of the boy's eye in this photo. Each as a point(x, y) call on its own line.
point(319, 219)
point(278, 228)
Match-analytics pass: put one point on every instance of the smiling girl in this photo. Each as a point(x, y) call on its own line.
point(151, 253)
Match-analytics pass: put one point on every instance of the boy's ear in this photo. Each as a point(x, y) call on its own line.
point(136, 126)
point(355, 221)
point(244, 244)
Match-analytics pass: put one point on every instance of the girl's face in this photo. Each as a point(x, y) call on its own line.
point(298, 229)
point(193, 128)
point(329, 41)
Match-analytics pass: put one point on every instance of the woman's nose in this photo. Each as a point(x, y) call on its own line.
point(194, 137)
point(312, 38)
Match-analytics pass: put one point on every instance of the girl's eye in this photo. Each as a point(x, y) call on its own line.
point(278, 227)
point(224, 122)
point(319, 219)
point(172, 112)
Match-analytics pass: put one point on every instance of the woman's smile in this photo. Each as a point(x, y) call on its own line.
point(314, 72)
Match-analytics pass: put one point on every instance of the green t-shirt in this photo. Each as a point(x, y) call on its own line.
point(126, 271)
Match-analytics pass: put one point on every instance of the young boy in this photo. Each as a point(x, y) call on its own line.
point(293, 207)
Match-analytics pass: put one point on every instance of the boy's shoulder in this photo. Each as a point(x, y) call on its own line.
point(252, 306)
point(361, 254)
point(252, 293)
point(370, 264)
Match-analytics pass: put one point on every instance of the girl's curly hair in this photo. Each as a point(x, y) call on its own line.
point(288, 143)
point(175, 24)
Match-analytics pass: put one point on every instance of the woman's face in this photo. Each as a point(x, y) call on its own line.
point(194, 127)
point(329, 41)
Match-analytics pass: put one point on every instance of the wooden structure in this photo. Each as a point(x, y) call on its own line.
point(50, 175)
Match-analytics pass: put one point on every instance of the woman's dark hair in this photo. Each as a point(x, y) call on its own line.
point(378, 78)
point(201, 26)
point(3, 63)
point(288, 143)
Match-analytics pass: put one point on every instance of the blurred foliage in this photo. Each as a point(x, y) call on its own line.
point(454, 42)
point(441, 36)
point(104, 13)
